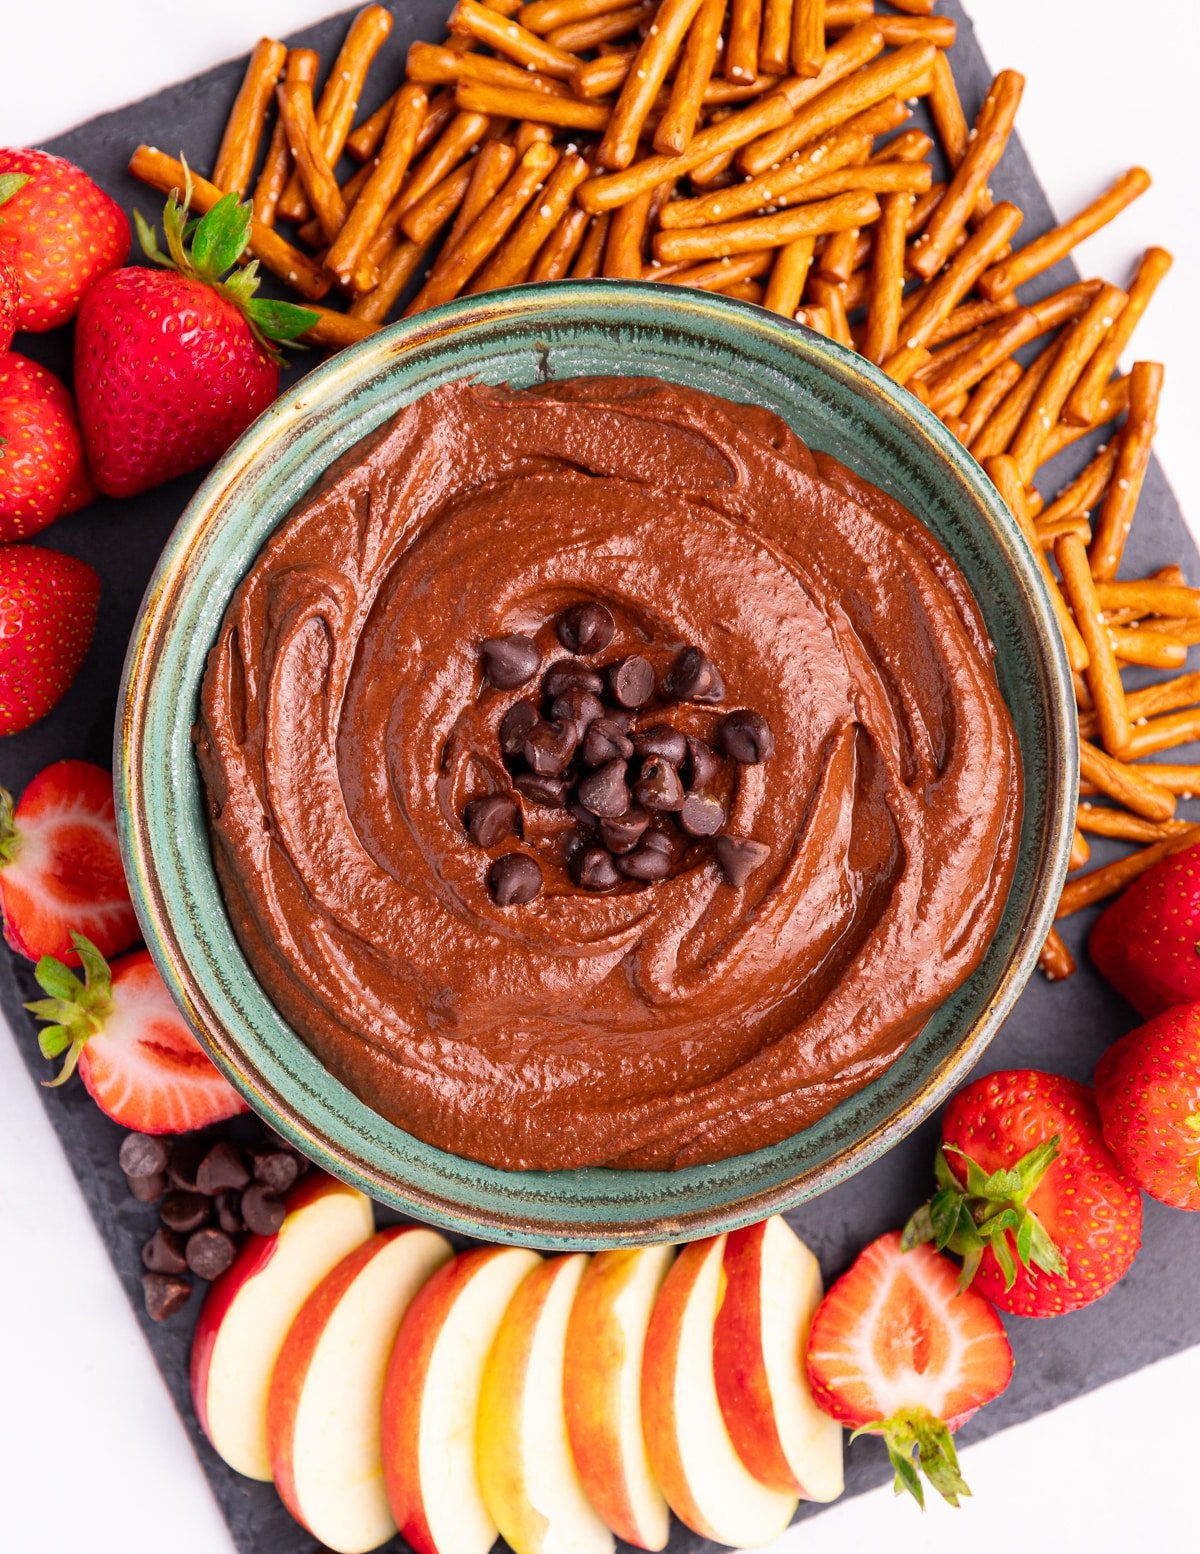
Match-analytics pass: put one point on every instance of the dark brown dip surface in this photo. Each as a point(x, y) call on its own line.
point(345, 725)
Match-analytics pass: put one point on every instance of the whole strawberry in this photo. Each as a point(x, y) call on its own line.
point(60, 232)
point(1148, 1092)
point(172, 366)
point(1030, 1196)
point(1146, 942)
point(48, 608)
point(10, 292)
point(42, 468)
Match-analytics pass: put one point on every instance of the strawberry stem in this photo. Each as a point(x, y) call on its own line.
point(919, 1442)
point(76, 1011)
point(8, 829)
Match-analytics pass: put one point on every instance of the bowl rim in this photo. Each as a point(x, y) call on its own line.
point(332, 383)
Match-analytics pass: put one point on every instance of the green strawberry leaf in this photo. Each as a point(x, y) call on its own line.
point(220, 238)
point(75, 1009)
point(280, 320)
point(10, 184)
point(918, 1442)
point(919, 1228)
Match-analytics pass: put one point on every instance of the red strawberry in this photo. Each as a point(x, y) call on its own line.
point(896, 1350)
point(171, 368)
point(60, 867)
point(1146, 942)
point(42, 470)
point(1148, 1092)
point(1029, 1195)
point(139, 1061)
point(10, 290)
point(48, 606)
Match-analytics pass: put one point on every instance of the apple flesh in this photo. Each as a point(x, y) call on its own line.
point(606, 1340)
point(772, 1288)
point(530, 1483)
point(323, 1409)
point(249, 1309)
point(691, 1454)
point(431, 1400)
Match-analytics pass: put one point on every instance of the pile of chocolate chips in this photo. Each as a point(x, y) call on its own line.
point(639, 792)
point(210, 1192)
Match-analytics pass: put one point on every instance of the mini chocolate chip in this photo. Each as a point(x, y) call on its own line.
point(746, 736)
point(658, 787)
point(593, 869)
point(662, 740)
point(550, 746)
point(604, 792)
point(163, 1253)
point(165, 1294)
point(142, 1155)
point(277, 1169)
point(147, 1189)
point(739, 856)
point(577, 707)
point(694, 677)
point(622, 834)
point(704, 765)
point(509, 661)
point(571, 674)
point(646, 864)
point(229, 1212)
point(549, 792)
point(222, 1170)
point(701, 816)
point(186, 1155)
point(184, 1211)
point(513, 880)
point(262, 1210)
point(514, 726)
point(209, 1253)
point(586, 628)
point(631, 681)
point(604, 741)
point(658, 840)
point(490, 820)
point(583, 818)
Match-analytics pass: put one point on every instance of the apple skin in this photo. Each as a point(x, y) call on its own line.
point(432, 1314)
point(771, 1275)
point(606, 1339)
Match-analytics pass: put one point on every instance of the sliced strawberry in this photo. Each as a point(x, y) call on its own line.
point(139, 1061)
point(60, 866)
point(897, 1351)
point(1146, 942)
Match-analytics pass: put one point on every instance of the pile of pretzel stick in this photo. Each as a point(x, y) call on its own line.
point(763, 149)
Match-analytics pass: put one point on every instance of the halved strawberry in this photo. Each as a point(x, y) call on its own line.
point(897, 1351)
point(60, 866)
point(139, 1061)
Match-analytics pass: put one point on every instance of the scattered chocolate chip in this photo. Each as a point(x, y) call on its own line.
point(229, 1212)
point(549, 792)
point(550, 746)
point(592, 868)
point(277, 1169)
point(147, 1189)
point(184, 1211)
point(262, 1210)
point(571, 674)
point(586, 628)
point(631, 681)
point(746, 736)
point(622, 833)
point(701, 816)
point(489, 820)
point(587, 823)
point(509, 661)
point(658, 840)
point(142, 1155)
point(165, 1295)
point(222, 1170)
point(694, 677)
point(605, 741)
point(514, 726)
point(704, 764)
point(739, 856)
point(662, 740)
point(646, 864)
point(658, 787)
point(163, 1253)
point(186, 1155)
point(209, 1253)
point(577, 707)
point(604, 791)
point(513, 880)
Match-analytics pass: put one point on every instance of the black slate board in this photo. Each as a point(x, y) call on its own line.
point(1153, 1312)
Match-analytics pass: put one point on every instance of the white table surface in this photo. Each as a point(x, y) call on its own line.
point(92, 1456)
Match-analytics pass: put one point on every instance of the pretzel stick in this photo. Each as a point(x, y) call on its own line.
point(1183, 780)
point(739, 237)
point(1149, 596)
point(1082, 494)
point(273, 252)
point(913, 7)
point(1102, 674)
point(243, 130)
point(887, 278)
point(1114, 402)
point(560, 248)
point(719, 91)
point(788, 274)
point(840, 14)
point(396, 271)
point(301, 65)
point(678, 123)
point(995, 346)
point(998, 431)
point(543, 16)
point(775, 45)
point(1125, 827)
point(721, 274)
point(1080, 852)
point(825, 294)
point(511, 262)
point(1128, 785)
point(538, 107)
point(338, 330)
point(1165, 733)
point(381, 188)
point(808, 37)
point(1056, 961)
point(626, 237)
point(1152, 649)
point(510, 39)
point(619, 145)
point(365, 141)
point(433, 65)
point(1084, 402)
point(946, 111)
point(432, 211)
point(1133, 457)
point(814, 318)
point(741, 44)
point(986, 398)
point(1112, 878)
point(527, 132)
point(463, 133)
point(601, 76)
point(970, 316)
point(577, 37)
point(1165, 696)
point(487, 175)
point(303, 133)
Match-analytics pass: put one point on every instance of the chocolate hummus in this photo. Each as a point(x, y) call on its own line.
point(347, 723)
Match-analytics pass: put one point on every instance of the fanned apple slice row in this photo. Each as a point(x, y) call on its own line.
point(705, 1481)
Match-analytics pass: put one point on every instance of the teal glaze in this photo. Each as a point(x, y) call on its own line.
point(836, 401)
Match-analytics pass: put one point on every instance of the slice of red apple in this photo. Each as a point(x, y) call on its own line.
point(606, 1340)
point(248, 1310)
point(431, 1400)
point(323, 1408)
point(691, 1454)
point(772, 1289)
point(530, 1483)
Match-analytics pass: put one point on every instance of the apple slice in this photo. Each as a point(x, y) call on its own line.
point(323, 1408)
point(248, 1310)
point(431, 1400)
point(606, 1339)
point(705, 1481)
point(772, 1289)
point(529, 1479)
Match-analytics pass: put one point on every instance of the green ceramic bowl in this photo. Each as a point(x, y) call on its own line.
point(835, 401)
